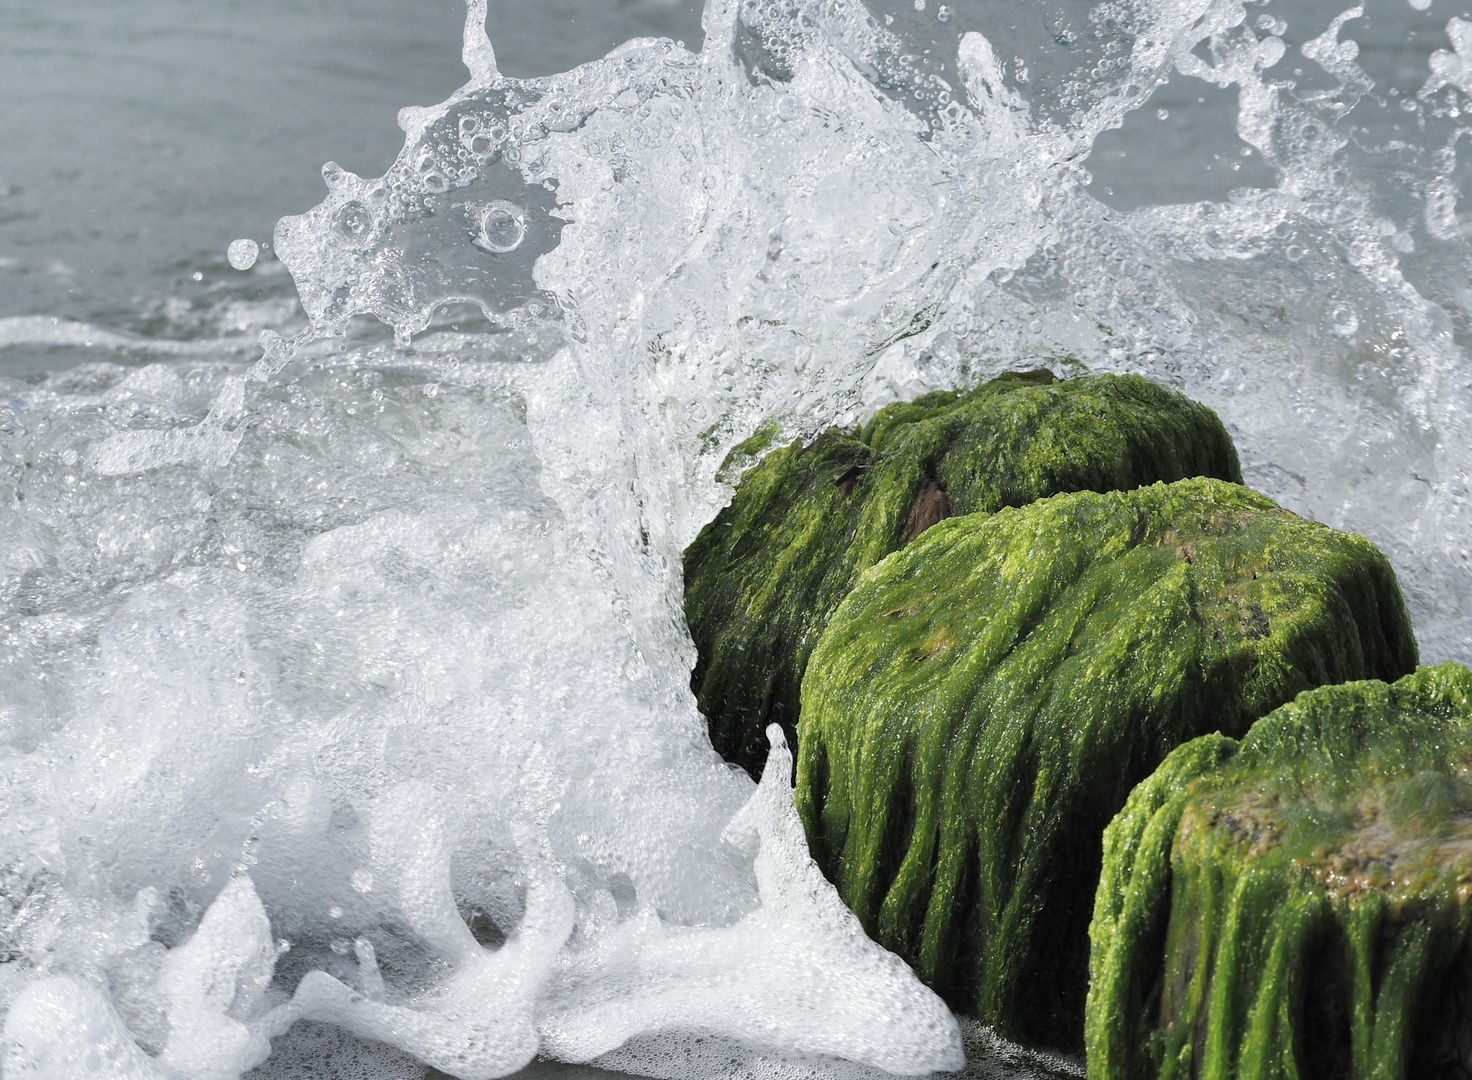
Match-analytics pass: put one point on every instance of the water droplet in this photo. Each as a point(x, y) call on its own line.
point(242, 253)
point(502, 227)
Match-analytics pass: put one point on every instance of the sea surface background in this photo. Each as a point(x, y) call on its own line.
point(137, 139)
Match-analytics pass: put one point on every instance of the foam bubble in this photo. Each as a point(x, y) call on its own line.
point(502, 227)
point(63, 1028)
point(796, 976)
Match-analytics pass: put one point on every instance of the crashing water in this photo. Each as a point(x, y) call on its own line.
point(347, 687)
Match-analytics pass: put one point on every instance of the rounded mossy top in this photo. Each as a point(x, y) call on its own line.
point(1026, 435)
point(1299, 902)
point(1363, 786)
point(762, 579)
point(1141, 584)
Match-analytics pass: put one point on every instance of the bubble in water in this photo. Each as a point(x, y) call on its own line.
point(353, 220)
point(242, 253)
point(944, 14)
point(1162, 114)
point(919, 5)
point(1294, 252)
point(1343, 320)
point(789, 108)
point(502, 227)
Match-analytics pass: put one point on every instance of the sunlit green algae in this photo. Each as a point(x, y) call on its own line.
point(983, 702)
point(763, 578)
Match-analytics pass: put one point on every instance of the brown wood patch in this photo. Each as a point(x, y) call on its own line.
point(931, 505)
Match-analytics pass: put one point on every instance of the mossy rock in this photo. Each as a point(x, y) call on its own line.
point(984, 701)
point(1296, 904)
point(762, 579)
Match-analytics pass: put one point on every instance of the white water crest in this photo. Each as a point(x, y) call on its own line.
point(348, 691)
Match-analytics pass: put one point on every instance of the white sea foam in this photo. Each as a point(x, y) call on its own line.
point(349, 690)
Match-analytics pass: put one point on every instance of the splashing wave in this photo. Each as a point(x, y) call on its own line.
point(352, 688)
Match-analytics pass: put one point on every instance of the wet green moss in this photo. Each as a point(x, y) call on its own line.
point(762, 579)
point(984, 701)
point(1296, 905)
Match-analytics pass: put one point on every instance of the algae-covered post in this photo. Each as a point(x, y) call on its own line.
point(762, 579)
point(983, 701)
point(1299, 903)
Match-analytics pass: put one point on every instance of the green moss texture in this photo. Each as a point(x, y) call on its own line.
point(1296, 905)
point(984, 701)
point(763, 578)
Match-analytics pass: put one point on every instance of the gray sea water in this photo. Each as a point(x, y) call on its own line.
point(138, 139)
point(337, 650)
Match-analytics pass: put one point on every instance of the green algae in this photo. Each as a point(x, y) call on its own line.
point(1299, 904)
point(983, 702)
point(763, 578)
